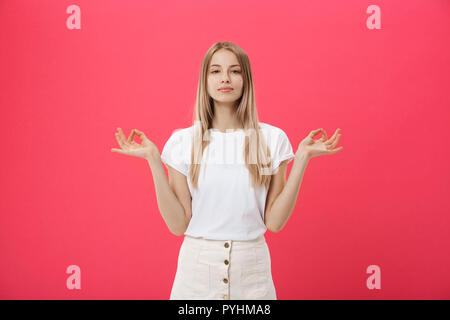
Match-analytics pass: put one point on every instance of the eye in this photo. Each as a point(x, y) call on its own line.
point(237, 71)
point(214, 71)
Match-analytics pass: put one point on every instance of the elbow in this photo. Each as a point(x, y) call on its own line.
point(178, 233)
point(179, 229)
point(273, 228)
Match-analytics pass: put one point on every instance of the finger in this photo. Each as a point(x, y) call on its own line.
point(121, 134)
point(335, 142)
point(118, 151)
point(314, 132)
point(130, 138)
point(139, 133)
point(324, 136)
point(336, 150)
point(332, 139)
point(119, 141)
point(122, 142)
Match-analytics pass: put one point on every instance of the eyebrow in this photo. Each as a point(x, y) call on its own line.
point(216, 65)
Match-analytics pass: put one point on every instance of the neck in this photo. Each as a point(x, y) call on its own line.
point(225, 116)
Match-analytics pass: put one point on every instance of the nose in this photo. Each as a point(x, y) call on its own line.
point(225, 77)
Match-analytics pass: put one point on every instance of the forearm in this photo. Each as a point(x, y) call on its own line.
point(279, 212)
point(170, 208)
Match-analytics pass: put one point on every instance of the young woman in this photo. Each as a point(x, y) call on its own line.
point(227, 183)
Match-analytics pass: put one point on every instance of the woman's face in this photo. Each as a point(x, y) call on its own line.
point(225, 71)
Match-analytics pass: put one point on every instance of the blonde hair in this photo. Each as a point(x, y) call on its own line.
point(257, 160)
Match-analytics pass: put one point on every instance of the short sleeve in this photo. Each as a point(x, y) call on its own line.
point(174, 153)
point(282, 151)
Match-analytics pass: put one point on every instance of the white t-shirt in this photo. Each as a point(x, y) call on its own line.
point(225, 206)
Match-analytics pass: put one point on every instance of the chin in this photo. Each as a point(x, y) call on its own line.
point(227, 99)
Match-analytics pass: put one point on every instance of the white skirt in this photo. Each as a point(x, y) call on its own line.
point(223, 270)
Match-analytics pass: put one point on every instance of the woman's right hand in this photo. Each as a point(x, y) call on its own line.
point(129, 147)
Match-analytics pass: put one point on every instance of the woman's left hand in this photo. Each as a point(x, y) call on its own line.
point(310, 147)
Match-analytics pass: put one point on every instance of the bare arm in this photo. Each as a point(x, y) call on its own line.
point(175, 212)
point(283, 195)
point(173, 197)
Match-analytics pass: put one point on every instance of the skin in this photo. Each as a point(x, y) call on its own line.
point(174, 200)
point(224, 70)
point(282, 194)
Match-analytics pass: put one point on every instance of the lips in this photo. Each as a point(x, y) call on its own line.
point(225, 89)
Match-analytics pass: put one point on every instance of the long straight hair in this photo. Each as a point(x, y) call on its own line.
point(256, 153)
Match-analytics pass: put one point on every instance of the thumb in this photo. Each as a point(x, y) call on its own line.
point(139, 133)
point(315, 132)
point(118, 151)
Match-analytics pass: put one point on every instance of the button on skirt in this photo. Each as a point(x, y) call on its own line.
point(223, 270)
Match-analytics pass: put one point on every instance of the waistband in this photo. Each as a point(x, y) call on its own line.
point(209, 243)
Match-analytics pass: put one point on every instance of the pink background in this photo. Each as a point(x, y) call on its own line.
point(67, 199)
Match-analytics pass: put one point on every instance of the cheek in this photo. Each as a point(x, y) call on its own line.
point(239, 83)
point(210, 83)
point(212, 80)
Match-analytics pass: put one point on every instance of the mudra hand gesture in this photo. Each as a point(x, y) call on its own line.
point(310, 147)
point(130, 147)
